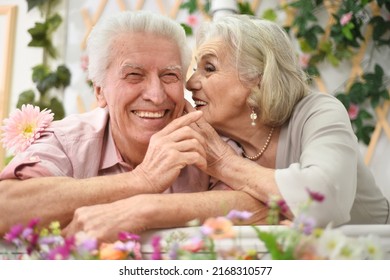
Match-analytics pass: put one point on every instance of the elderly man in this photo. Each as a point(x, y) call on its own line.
point(131, 164)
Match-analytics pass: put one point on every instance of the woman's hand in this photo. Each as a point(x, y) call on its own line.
point(218, 152)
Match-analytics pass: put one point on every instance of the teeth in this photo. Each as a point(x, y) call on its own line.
point(200, 103)
point(150, 115)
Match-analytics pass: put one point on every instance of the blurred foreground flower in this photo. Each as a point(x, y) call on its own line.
point(217, 238)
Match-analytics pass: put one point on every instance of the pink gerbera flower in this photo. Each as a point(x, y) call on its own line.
point(24, 126)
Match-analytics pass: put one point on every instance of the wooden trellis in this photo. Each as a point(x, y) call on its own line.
point(356, 71)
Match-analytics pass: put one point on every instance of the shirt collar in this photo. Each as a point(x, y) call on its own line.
point(111, 155)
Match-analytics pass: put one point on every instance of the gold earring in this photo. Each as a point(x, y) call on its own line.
point(253, 117)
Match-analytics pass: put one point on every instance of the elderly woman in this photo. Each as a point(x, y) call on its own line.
point(131, 164)
point(250, 88)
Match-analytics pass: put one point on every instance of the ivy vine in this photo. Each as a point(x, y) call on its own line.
point(49, 83)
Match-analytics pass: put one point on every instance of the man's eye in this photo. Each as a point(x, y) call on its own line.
point(133, 77)
point(170, 78)
point(132, 74)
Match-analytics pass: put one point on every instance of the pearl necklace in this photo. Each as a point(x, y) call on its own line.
point(257, 156)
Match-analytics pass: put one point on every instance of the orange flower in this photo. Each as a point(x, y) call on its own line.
point(218, 228)
point(108, 251)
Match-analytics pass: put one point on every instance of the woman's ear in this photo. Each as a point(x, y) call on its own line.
point(99, 94)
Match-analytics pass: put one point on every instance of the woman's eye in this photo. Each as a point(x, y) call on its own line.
point(209, 68)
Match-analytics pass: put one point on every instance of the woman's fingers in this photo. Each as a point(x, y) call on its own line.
point(180, 122)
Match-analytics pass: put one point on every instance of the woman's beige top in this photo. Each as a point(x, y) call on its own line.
point(318, 150)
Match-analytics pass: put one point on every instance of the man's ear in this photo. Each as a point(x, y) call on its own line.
point(101, 100)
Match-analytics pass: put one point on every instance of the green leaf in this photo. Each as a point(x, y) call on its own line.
point(31, 4)
point(245, 8)
point(26, 97)
point(357, 93)
point(344, 98)
point(57, 108)
point(8, 159)
point(379, 71)
point(40, 72)
point(270, 241)
point(375, 101)
point(346, 30)
point(305, 47)
point(187, 29)
point(51, 50)
point(38, 32)
point(313, 71)
point(311, 39)
point(53, 23)
point(269, 14)
point(63, 76)
point(190, 5)
point(47, 83)
point(333, 59)
point(365, 115)
point(384, 94)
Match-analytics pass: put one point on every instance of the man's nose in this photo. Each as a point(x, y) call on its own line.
point(155, 91)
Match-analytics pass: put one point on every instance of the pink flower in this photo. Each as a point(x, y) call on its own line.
point(218, 228)
point(192, 20)
point(84, 62)
point(316, 196)
point(304, 60)
point(353, 111)
point(156, 255)
point(24, 126)
point(194, 245)
point(345, 18)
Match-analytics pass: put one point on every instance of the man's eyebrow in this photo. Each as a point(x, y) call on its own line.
point(128, 65)
point(136, 66)
point(174, 67)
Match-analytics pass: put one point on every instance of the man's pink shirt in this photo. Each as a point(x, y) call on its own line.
point(81, 146)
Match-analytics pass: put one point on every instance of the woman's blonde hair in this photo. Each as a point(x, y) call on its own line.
point(266, 62)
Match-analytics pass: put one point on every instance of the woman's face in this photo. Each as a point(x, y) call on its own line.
point(216, 88)
point(143, 87)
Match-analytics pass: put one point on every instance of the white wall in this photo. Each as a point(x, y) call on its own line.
point(73, 29)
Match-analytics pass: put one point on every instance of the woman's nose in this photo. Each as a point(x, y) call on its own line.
point(193, 83)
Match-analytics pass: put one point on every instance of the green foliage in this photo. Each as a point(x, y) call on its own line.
point(245, 8)
point(369, 89)
point(344, 41)
point(381, 31)
point(306, 23)
point(192, 6)
point(269, 14)
point(41, 34)
point(46, 80)
point(187, 29)
point(272, 242)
